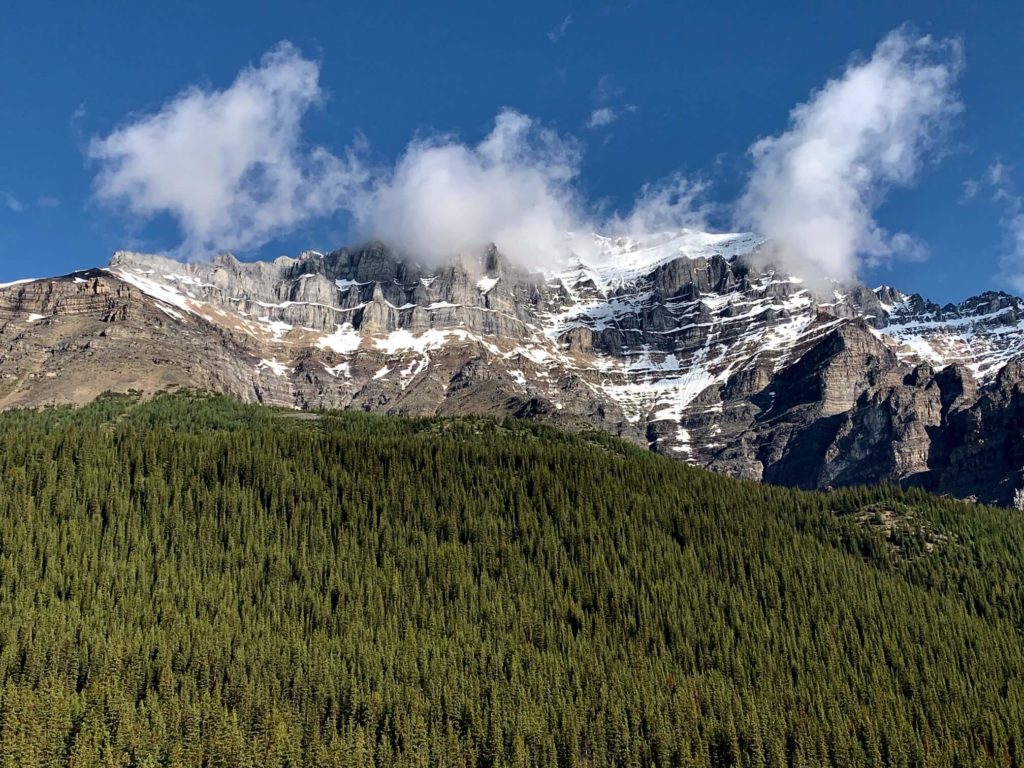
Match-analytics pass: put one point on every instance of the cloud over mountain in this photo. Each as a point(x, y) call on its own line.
point(814, 189)
point(230, 166)
point(514, 188)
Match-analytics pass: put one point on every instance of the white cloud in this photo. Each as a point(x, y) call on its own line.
point(233, 170)
point(604, 116)
point(228, 165)
point(47, 201)
point(998, 175)
point(558, 32)
point(444, 197)
point(517, 189)
point(814, 189)
point(601, 117)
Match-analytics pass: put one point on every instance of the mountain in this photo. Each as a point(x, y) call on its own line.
point(686, 342)
point(190, 581)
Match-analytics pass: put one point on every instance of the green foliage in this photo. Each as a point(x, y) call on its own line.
point(194, 582)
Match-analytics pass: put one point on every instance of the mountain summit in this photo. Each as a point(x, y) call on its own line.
point(687, 342)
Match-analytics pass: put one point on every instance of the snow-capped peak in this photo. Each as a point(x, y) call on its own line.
point(614, 261)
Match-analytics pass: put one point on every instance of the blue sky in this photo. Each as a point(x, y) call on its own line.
point(631, 93)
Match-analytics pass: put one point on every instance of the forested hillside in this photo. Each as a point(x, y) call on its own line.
point(194, 582)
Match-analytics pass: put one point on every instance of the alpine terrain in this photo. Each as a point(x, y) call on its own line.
point(687, 342)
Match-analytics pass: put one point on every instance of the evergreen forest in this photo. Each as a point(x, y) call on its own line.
point(189, 581)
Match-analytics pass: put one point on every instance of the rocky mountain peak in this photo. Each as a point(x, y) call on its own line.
point(687, 342)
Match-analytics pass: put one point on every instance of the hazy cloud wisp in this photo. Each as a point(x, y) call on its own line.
point(814, 189)
point(558, 32)
point(11, 202)
point(1013, 262)
point(998, 181)
point(601, 117)
point(669, 205)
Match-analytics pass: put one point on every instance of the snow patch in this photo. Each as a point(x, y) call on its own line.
point(401, 340)
point(344, 340)
point(416, 366)
point(275, 367)
point(278, 328)
point(341, 369)
point(485, 284)
point(153, 289)
point(19, 282)
point(682, 441)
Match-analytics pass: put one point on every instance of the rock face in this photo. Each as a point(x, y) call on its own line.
point(685, 342)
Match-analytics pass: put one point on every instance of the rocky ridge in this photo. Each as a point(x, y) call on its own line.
point(683, 341)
